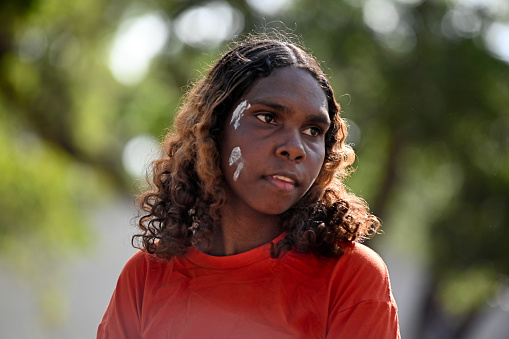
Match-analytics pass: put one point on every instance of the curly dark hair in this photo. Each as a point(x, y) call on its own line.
point(182, 206)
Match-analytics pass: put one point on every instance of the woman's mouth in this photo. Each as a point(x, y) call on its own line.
point(282, 182)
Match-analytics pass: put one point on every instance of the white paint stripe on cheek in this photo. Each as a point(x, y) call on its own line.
point(237, 171)
point(238, 113)
point(234, 156)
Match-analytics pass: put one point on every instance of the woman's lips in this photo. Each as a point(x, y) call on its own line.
point(282, 182)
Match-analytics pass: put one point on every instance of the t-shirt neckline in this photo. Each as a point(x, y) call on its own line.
point(198, 258)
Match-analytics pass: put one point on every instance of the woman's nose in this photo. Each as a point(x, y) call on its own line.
point(291, 147)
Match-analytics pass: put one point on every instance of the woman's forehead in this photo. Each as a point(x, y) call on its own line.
point(284, 84)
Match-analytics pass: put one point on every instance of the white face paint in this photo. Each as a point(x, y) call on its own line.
point(238, 113)
point(237, 171)
point(236, 157)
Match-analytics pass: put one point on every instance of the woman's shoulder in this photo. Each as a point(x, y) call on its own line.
point(140, 257)
point(362, 257)
point(142, 261)
point(361, 269)
point(361, 293)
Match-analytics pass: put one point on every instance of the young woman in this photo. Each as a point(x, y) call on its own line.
point(248, 230)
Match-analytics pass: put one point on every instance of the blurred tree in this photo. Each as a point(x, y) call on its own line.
point(427, 102)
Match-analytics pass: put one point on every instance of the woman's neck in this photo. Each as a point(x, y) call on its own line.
point(240, 232)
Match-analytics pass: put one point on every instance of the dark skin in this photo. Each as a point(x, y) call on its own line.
point(272, 152)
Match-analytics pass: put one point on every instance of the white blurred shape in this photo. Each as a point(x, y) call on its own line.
point(494, 8)
point(208, 25)
point(410, 2)
point(137, 42)
point(402, 39)
point(503, 299)
point(354, 133)
point(269, 7)
point(466, 22)
point(496, 38)
point(138, 153)
point(32, 44)
point(381, 16)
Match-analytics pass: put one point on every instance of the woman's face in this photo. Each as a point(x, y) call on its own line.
point(274, 142)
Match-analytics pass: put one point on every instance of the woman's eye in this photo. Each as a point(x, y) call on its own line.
point(313, 131)
point(267, 118)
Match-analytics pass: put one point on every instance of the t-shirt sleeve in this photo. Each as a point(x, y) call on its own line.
point(362, 305)
point(122, 317)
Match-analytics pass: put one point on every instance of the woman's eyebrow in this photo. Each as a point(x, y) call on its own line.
point(319, 119)
point(313, 118)
point(273, 105)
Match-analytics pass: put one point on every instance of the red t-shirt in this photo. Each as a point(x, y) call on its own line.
point(251, 295)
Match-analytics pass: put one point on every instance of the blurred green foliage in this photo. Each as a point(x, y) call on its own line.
point(431, 104)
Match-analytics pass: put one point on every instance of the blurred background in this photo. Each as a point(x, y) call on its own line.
point(87, 89)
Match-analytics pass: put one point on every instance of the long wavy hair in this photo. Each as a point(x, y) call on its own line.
point(182, 206)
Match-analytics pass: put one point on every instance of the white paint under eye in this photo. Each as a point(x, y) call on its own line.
point(238, 113)
point(240, 166)
point(234, 156)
